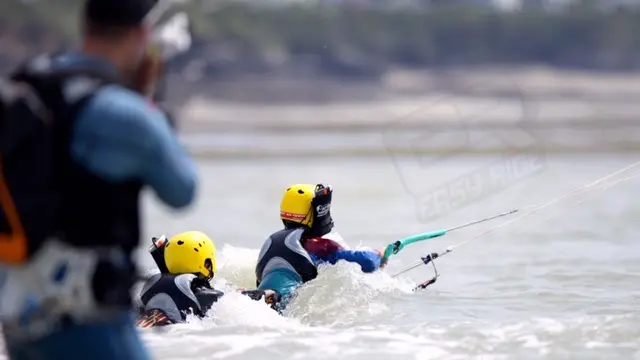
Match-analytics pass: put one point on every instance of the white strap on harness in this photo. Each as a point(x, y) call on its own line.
point(57, 281)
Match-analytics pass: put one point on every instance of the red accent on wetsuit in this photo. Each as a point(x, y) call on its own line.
point(321, 247)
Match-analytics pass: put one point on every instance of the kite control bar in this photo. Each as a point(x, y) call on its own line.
point(396, 246)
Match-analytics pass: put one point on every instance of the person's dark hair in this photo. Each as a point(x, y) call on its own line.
point(114, 18)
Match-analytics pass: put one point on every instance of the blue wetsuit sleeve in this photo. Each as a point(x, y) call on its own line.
point(316, 260)
point(284, 281)
point(369, 261)
point(120, 137)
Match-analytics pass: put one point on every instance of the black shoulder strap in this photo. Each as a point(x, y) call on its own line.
point(42, 66)
point(49, 82)
point(22, 113)
point(59, 90)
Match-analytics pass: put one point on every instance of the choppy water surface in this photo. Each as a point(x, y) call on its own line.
point(560, 284)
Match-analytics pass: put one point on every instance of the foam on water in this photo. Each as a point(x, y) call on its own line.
point(339, 314)
point(341, 294)
point(333, 309)
point(561, 285)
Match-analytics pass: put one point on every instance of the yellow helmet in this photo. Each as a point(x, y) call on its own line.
point(296, 205)
point(191, 252)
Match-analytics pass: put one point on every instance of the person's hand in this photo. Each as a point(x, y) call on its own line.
point(384, 260)
point(147, 75)
point(270, 296)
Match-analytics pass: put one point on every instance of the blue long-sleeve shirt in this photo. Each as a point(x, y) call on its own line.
point(120, 136)
point(369, 261)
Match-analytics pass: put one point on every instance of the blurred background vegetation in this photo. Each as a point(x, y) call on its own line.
point(363, 39)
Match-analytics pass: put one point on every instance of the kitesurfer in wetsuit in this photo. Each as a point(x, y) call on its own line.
point(290, 257)
point(183, 285)
point(71, 173)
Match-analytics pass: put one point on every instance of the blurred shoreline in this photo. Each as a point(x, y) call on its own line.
point(558, 111)
point(534, 92)
point(223, 155)
point(527, 83)
point(311, 133)
point(535, 81)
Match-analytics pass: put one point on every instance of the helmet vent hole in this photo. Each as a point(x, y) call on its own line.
point(288, 188)
point(200, 244)
point(180, 242)
point(196, 249)
point(300, 191)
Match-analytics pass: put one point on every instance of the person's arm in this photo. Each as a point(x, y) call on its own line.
point(120, 137)
point(316, 260)
point(326, 250)
point(368, 260)
point(207, 297)
point(271, 297)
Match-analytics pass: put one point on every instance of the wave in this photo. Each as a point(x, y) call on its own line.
point(341, 295)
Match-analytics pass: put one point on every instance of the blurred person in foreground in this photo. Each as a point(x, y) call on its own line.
point(76, 149)
point(290, 257)
point(187, 264)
